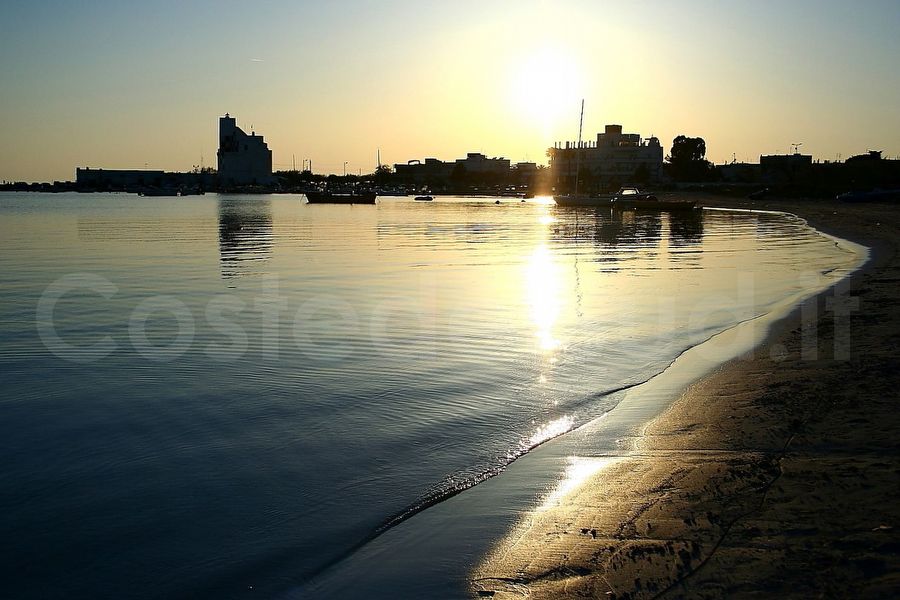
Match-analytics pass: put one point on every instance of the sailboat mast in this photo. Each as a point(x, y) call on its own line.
point(578, 148)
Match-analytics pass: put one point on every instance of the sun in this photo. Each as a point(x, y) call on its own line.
point(545, 86)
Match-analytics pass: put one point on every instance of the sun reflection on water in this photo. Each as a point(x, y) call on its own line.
point(543, 433)
point(550, 430)
point(543, 296)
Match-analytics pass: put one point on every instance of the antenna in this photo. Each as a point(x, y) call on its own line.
point(795, 148)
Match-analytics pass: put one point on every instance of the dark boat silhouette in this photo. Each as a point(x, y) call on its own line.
point(631, 198)
point(340, 197)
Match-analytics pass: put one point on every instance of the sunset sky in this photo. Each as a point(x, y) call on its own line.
point(134, 85)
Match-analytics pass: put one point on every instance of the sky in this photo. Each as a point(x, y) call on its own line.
point(111, 84)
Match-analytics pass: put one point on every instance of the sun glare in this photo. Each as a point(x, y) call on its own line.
point(544, 296)
point(578, 471)
point(545, 87)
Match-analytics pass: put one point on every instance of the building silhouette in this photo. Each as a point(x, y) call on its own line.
point(243, 159)
point(433, 170)
point(614, 159)
point(142, 180)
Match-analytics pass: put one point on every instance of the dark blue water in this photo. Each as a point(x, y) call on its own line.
point(219, 396)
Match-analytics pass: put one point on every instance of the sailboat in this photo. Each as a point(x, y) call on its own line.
point(577, 199)
point(627, 198)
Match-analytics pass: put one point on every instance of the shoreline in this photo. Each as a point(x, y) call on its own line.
point(759, 476)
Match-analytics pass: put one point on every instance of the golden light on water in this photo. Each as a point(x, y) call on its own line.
point(544, 295)
point(550, 430)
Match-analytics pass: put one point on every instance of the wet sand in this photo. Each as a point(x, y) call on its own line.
point(775, 476)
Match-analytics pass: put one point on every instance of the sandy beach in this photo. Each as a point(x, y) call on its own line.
point(775, 476)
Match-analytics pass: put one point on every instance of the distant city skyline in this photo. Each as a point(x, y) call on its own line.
point(102, 84)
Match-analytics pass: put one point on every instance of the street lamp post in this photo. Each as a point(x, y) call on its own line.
point(345, 168)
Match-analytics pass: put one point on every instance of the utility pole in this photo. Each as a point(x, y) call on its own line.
point(345, 168)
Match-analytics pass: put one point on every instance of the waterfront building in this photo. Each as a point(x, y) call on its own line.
point(524, 173)
point(736, 172)
point(129, 180)
point(785, 168)
point(432, 170)
point(475, 162)
point(426, 172)
point(615, 158)
point(243, 159)
point(141, 180)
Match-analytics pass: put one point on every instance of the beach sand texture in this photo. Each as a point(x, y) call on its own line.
point(775, 476)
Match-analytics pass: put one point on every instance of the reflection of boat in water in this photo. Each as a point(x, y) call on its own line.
point(584, 200)
point(632, 198)
point(628, 228)
point(340, 197)
point(158, 191)
point(151, 191)
point(424, 198)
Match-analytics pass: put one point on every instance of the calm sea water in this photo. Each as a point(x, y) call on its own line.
point(221, 396)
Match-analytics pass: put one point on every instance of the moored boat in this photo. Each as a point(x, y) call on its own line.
point(424, 198)
point(340, 197)
point(629, 198)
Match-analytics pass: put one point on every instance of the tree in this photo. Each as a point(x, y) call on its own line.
point(687, 149)
point(383, 174)
point(687, 162)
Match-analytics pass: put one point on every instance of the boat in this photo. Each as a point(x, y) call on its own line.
point(340, 197)
point(424, 198)
point(151, 191)
point(629, 198)
point(577, 199)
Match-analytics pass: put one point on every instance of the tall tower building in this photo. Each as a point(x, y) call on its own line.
point(243, 159)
